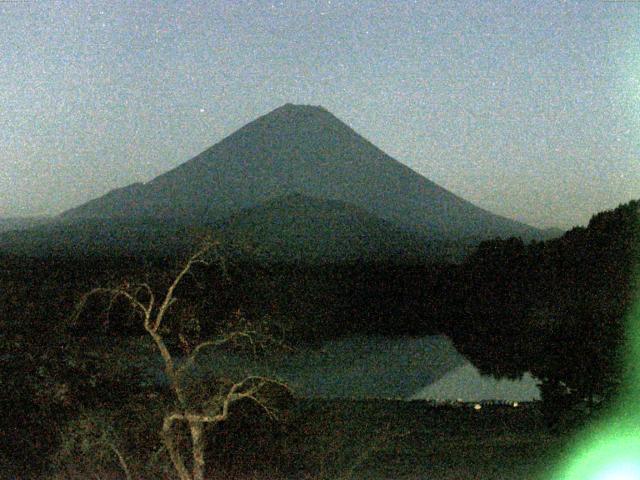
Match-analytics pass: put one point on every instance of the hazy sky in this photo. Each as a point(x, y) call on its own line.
point(530, 109)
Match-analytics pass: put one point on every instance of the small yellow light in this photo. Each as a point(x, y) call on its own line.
point(477, 406)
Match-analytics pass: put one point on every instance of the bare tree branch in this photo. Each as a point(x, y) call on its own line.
point(142, 300)
point(199, 257)
point(121, 459)
point(191, 360)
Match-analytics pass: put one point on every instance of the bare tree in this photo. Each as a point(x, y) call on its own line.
point(213, 410)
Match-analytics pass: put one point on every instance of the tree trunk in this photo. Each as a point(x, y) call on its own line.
point(174, 454)
point(197, 444)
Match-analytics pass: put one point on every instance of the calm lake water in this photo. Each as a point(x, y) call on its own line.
point(364, 367)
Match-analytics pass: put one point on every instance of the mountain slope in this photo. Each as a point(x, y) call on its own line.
point(98, 236)
point(21, 223)
point(297, 227)
point(307, 150)
point(288, 228)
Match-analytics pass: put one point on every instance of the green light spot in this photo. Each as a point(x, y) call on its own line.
point(620, 471)
point(609, 453)
point(610, 448)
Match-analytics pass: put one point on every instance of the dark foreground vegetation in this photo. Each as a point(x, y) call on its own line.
point(554, 308)
point(328, 440)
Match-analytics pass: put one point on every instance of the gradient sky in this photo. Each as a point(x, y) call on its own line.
point(530, 109)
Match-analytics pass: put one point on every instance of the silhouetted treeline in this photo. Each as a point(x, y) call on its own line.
point(555, 308)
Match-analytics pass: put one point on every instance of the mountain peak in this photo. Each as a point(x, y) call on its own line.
point(293, 111)
point(292, 107)
point(301, 149)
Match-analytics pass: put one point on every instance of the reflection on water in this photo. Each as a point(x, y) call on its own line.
point(371, 367)
point(465, 383)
